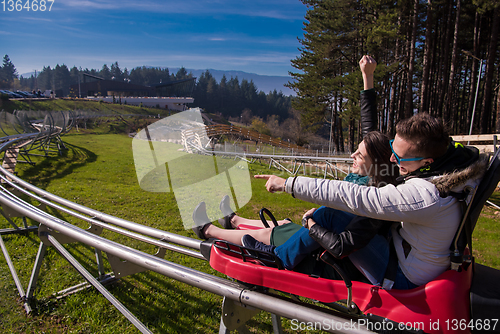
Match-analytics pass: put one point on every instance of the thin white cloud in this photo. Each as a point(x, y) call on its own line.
point(245, 39)
point(170, 60)
point(270, 58)
point(87, 5)
point(25, 18)
point(274, 9)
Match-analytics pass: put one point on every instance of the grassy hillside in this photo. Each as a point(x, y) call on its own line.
point(78, 104)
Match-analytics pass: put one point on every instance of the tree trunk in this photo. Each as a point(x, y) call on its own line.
point(462, 122)
point(448, 115)
point(411, 62)
point(383, 107)
point(442, 86)
point(498, 112)
point(401, 96)
point(335, 120)
point(490, 69)
point(433, 73)
point(424, 90)
point(351, 135)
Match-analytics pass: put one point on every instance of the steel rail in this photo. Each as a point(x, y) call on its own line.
point(109, 227)
point(14, 274)
point(96, 284)
point(150, 231)
point(210, 283)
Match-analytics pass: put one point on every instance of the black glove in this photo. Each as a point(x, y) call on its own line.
point(356, 235)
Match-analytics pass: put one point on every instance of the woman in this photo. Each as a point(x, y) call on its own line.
point(292, 243)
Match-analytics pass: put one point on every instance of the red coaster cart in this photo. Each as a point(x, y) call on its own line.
point(463, 299)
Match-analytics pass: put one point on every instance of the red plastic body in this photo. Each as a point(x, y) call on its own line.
point(440, 306)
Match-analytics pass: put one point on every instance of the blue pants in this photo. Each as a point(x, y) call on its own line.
point(371, 260)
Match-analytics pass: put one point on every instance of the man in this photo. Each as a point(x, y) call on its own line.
point(432, 168)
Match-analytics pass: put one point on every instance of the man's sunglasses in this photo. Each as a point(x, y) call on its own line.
point(398, 159)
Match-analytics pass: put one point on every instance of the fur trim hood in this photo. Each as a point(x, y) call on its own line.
point(457, 180)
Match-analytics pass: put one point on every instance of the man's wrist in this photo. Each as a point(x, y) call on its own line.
point(305, 220)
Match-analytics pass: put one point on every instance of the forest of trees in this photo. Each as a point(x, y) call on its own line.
point(229, 97)
point(233, 99)
point(418, 45)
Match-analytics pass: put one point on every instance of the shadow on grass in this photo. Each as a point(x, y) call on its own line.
point(57, 167)
point(495, 197)
point(161, 303)
point(167, 306)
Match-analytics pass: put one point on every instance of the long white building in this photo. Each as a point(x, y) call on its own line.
point(172, 103)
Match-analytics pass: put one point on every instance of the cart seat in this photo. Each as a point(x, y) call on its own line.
point(430, 307)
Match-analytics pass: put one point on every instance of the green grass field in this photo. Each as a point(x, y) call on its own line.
point(98, 171)
point(77, 104)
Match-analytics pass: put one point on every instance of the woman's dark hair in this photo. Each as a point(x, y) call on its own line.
point(428, 135)
point(382, 171)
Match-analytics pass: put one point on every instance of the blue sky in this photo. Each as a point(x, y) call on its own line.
point(257, 36)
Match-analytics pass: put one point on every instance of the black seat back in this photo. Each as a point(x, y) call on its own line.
point(485, 290)
point(482, 193)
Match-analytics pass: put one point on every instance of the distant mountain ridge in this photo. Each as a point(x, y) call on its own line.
point(265, 83)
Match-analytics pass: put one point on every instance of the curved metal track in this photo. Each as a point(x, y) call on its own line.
point(308, 161)
point(54, 232)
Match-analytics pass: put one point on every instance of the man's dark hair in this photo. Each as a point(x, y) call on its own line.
point(428, 135)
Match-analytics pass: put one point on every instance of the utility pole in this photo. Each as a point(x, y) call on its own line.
point(468, 53)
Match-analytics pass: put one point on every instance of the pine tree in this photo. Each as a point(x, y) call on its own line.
point(105, 72)
point(45, 80)
point(61, 80)
point(8, 72)
point(115, 72)
point(337, 34)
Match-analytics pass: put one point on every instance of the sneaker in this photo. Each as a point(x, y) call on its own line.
point(265, 252)
point(228, 213)
point(225, 222)
point(201, 220)
point(225, 206)
point(200, 231)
